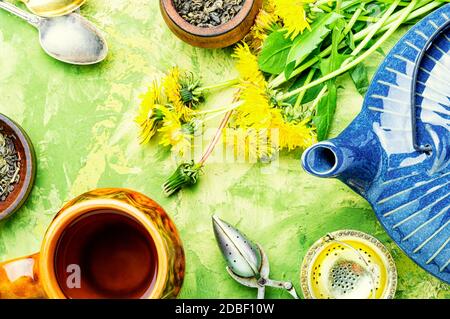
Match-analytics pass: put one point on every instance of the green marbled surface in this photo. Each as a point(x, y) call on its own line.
point(80, 120)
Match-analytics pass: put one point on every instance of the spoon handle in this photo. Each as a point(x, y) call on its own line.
point(30, 18)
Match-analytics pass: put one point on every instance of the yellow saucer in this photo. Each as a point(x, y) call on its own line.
point(348, 264)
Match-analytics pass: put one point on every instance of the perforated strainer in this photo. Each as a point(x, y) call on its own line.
point(348, 264)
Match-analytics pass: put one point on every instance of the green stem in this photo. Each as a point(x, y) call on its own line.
point(403, 3)
point(216, 138)
point(322, 2)
point(350, 24)
point(325, 5)
point(325, 8)
point(364, 18)
point(225, 110)
point(363, 33)
point(375, 28)
point(281, 79)
point(355, 62)
point(217, 86)
point(220, 109)
point(302, 94)
point(338, 6)
point(318, 98)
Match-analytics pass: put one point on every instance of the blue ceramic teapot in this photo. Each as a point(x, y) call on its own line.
point(396, 154)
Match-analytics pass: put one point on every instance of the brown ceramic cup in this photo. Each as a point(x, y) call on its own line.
point(108, 243)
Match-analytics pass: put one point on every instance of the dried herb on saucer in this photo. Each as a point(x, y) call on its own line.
point(9, 165)
point(208, 13)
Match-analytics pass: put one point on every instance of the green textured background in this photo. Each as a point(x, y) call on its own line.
point(80, 120)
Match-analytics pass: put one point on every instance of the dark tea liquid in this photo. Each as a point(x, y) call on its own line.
point(106, 254)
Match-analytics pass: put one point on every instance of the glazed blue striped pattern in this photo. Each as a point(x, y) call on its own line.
point(411, 193)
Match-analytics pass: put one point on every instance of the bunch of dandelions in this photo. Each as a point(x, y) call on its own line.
point(257, 125)
point(169, 108)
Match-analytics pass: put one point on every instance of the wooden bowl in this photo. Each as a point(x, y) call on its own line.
point(22, 190)
point(216, 37)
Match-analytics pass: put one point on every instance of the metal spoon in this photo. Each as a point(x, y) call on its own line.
point(70, 39)
point(53, 8)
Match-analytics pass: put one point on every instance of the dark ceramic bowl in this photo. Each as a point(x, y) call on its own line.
point(216, 37)
point(23, 145)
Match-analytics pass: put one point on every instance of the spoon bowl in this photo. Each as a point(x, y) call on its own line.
point(53, 8)
point(72, 39)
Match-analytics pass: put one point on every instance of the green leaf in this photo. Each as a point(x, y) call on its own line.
point(308, 41)
point(325, 112)
point(332, 63)
point(360, 78)
point(274, 53)
point(327, 106)
point(350, 41)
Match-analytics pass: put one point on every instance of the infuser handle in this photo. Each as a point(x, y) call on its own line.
point(421, 148)
point(19, 279)
point(261, 292)
point(288, 286)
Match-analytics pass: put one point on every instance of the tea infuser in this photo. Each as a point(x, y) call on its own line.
point(348, 264)
point(396, 153)
point(71, 39)
point(53, 8)
point(247, 262)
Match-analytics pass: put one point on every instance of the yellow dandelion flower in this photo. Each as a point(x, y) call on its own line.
point(256, 119)
point(293, 14)
point(264, 23)
point(172, 88)
point(255, 109)
point(174, 134)
point(149, 117)
point(180, 89)
point(294, 135)
point(247, 66)
point(249, 144)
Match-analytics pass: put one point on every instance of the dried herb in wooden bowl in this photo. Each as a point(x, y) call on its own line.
point(9, 165)
point(208, 13)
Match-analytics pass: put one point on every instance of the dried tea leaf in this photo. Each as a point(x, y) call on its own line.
point(208, 13)
point(9, 165)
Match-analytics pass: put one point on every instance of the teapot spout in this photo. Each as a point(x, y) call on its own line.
point(324, 160)
point(356, 164)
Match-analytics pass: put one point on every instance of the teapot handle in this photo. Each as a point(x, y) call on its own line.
point(422, 148)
